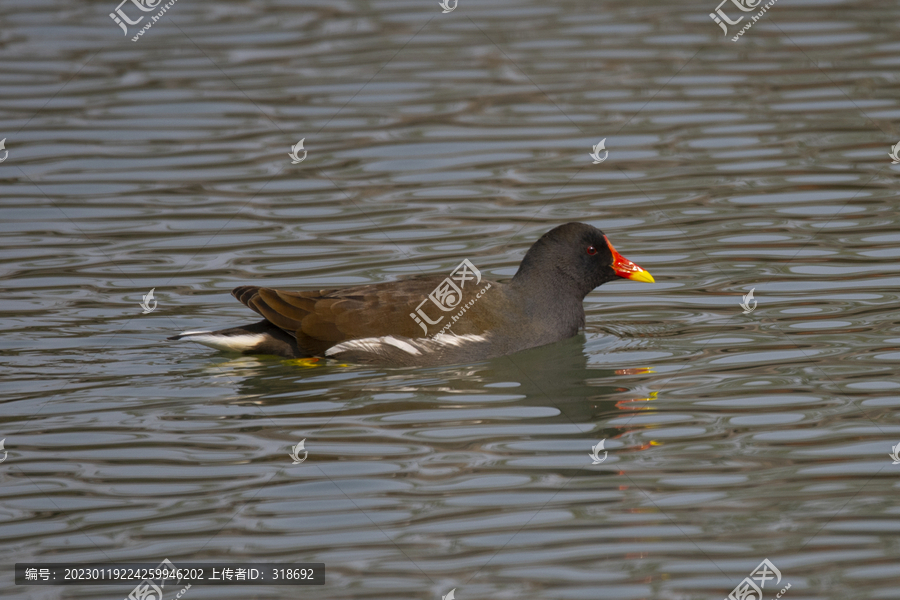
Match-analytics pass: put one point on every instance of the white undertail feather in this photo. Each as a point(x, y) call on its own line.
point(230, 343)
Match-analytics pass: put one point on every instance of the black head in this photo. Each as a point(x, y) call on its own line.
point(577, 257)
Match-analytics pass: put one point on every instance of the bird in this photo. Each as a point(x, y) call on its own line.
point(434, 319)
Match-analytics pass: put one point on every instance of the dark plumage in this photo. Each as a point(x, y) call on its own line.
point(395, 323)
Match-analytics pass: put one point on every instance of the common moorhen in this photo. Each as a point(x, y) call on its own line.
point(435, 319)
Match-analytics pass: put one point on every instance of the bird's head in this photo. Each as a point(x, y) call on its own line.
point(579, 255)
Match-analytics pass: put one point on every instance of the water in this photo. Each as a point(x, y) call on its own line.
point(759, 164)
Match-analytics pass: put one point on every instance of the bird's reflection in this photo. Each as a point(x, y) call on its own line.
point(557, 375)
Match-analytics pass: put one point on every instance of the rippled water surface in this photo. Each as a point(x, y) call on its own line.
point(759, 164)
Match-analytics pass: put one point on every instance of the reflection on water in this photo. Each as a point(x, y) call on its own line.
point(730, 438)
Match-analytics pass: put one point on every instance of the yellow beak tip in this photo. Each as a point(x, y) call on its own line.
point(644, 276)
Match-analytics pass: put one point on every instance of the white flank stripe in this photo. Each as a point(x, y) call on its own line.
point(364, 344)
point(408, 348)
point(415, 347)
point(458, 340)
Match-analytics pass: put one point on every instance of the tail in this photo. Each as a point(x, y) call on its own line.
point(259, 338)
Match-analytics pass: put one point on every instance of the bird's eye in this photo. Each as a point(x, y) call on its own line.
point(591, 250)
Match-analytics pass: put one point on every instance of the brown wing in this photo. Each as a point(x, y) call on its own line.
point(320, 319)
